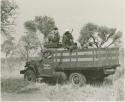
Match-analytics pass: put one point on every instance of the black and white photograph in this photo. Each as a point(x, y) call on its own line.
point(62, 50)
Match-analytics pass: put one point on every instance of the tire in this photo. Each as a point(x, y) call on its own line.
point(29, 75)
point(100, 80)
point(77, 79)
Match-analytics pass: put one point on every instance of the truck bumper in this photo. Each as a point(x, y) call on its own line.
point(22, 71)
point(109, 71)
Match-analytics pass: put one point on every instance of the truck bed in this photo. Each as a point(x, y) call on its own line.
point(86, 58)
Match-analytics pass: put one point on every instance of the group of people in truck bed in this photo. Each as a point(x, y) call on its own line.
point(67, 39)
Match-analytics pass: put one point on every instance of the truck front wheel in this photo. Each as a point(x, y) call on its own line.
point(29, 75)
point(77, 79)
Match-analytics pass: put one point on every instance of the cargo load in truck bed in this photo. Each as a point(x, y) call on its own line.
point(86, 58)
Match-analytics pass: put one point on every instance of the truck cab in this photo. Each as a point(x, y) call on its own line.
point(39, 68)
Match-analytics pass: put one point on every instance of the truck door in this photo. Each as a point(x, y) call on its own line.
point(45, 68)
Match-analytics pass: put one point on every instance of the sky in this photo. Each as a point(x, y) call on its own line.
point(70, 14)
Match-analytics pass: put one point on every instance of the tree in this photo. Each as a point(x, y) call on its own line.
point(26, 44)
point(8, 12)
point(92, 35)
point(45, 24)
point(30, 26)
point(7, 46)
point(29, 42)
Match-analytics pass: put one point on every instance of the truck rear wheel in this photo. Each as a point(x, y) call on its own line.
point(77, 79)
point(29, 75)
point(100, 80)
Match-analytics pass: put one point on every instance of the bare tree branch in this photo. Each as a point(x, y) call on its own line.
point(96, 43)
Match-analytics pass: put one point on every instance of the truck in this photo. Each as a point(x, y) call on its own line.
point(78, 65)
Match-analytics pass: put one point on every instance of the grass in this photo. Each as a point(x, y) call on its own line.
point(14, 88)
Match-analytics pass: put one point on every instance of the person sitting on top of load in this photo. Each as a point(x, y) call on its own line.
point(54, 36)
point(67, 40)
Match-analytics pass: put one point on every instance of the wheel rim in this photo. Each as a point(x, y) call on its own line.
point(76, 80)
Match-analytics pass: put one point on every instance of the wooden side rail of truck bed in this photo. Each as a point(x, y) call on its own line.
point(86, 58)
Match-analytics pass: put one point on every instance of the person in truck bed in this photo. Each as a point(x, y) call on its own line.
point(67, 41)
point(54, 36)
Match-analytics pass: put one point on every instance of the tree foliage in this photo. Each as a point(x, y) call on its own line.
point(8, 12)
point(45, 24)
point(30, 26)
point(7, 46)
point(92, 35)
point(31, 41)
point(28, 43)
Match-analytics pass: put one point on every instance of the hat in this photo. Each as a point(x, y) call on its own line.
point(55, 28)
point(67, 30)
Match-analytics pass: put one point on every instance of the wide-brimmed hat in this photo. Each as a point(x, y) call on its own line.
point(67, 30)
point(55, 28)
